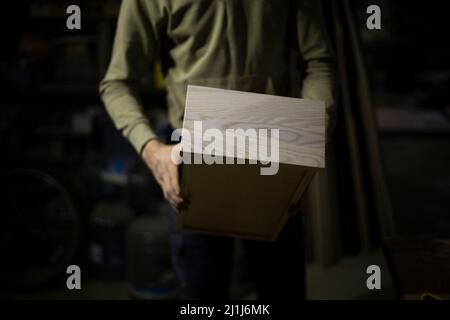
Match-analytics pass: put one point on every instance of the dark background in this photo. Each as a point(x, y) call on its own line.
point(74, 192)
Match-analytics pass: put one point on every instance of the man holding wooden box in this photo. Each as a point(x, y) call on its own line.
point(243, 45)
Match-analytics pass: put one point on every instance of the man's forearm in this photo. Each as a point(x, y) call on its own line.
point(317, 55)
point(135, 46)
point(319, 84)
point(122, 103)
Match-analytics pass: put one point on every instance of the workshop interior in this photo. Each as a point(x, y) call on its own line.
point(74, 192)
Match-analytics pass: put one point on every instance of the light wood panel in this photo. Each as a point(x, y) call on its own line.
point(301, 123)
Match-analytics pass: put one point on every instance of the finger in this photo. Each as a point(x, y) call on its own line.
point(175, 155)
point(174, 190)
point(169, 193)
point(157, 174)
point(165, 185)
point(172, 187)
point(170, 199)
point(183, 205)
point(176, 199)
point(173, 178)
point(178, 206)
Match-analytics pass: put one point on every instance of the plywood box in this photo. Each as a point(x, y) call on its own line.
point(236, 199)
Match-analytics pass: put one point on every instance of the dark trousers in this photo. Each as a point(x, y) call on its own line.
point(203, 263)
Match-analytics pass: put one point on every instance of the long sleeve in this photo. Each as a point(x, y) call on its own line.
point(135, 47)
point(315, 51)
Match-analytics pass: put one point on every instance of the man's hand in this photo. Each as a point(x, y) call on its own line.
point(158, 158)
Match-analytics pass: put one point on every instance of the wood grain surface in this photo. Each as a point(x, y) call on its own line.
point(301, 123)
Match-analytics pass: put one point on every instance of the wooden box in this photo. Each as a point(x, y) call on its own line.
point(236, 199)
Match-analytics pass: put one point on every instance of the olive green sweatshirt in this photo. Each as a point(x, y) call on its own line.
point(232, 44)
